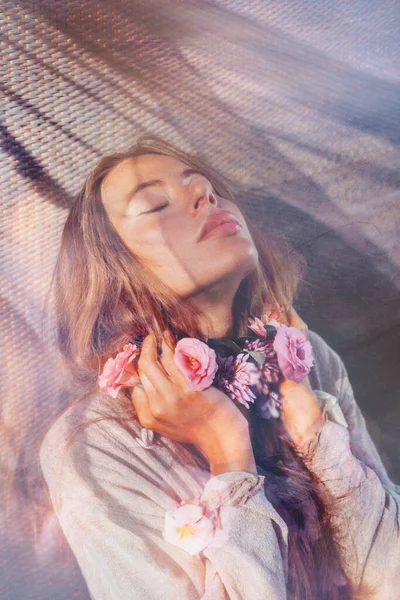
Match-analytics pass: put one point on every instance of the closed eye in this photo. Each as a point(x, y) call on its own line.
point(157, 208)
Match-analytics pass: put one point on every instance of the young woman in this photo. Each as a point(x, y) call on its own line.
point(305, 508)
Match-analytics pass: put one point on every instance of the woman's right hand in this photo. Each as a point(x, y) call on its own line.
point(166, 403)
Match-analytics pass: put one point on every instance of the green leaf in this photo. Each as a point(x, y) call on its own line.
point(258, 356)
point(222, 342)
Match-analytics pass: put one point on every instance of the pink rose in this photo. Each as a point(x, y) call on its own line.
point(119, 372)
point(197, 361)
point(188, 528)
point(294, 352)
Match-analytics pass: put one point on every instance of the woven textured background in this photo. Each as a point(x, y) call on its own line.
point(296, 102)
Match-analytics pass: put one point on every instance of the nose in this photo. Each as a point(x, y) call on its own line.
point(202, 193)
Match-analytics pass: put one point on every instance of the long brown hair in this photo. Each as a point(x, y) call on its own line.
point(104, 298)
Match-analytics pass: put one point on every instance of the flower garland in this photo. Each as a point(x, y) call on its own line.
point(248, 369)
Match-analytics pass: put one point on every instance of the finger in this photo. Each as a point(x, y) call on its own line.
point(159, 388)
point(141, 404)
point(167, 360)
point(149, 366)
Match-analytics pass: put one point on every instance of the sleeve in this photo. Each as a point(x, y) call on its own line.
point(364, 502)
point(112, 510)
point(252, 559)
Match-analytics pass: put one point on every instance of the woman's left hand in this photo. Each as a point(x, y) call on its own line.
point(301, 413)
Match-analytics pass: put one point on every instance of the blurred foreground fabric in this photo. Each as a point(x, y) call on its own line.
point(298, 103)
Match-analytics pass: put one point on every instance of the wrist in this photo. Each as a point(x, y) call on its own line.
point(246, 463)
point(232, 455)
point(306, 438)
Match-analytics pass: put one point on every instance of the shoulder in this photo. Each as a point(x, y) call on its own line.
point(82, 418)
point(324, 353)
point(92, 447)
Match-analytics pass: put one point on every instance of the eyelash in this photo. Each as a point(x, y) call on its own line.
point(157, 208)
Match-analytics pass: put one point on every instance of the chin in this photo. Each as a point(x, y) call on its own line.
point(244, 257)
point(230, 265)
point(239, 265)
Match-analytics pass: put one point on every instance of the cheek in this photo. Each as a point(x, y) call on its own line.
point(187, 271)
point(184, 264)
point(169, 262)
point(181, 267)
point(145, 242)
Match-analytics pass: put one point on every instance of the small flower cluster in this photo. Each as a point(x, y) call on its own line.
point(190, 527)
point(196, 523)
point(249, 369)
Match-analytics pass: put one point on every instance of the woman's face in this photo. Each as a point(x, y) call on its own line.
point(161, 223)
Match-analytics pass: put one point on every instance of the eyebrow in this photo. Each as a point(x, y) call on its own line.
point(146, 184)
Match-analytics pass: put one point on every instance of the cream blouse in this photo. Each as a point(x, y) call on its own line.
point(111, 496)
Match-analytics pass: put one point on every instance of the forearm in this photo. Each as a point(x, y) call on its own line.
point(251, 534)
point(365, 515)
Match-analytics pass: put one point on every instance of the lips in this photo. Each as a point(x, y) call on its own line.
point(215, 219)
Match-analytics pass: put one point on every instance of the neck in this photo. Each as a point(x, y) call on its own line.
point(215, 310)
point(215, 313)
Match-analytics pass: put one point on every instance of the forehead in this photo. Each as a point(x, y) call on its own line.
point(130, 172)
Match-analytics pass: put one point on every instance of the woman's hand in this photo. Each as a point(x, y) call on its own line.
point(301, 413)
point(209, 419)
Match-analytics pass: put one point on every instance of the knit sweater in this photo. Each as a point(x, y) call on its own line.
point(111, 495)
